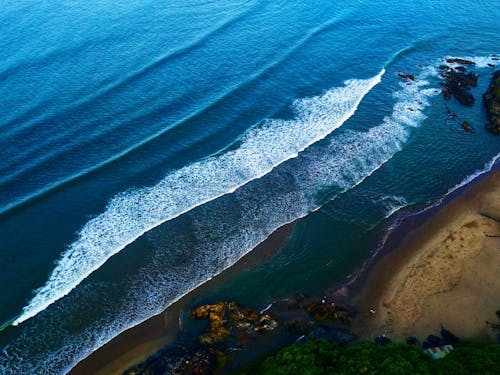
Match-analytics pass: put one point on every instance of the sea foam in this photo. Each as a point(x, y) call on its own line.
point(225, 229)
point(131, 214)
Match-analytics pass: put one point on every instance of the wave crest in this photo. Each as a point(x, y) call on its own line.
point(131, 214)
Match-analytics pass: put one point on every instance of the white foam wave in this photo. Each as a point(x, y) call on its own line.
point(131, 214)
point(281, 197)
point(393, 204)
point(223, 231)
point(487, 167)
point(468, 179)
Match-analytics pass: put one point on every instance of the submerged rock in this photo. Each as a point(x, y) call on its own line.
point(466, 127)
point(407, 76)
point(460, 61)
point(491, 101)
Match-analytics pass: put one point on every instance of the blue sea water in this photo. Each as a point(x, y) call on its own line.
point(147, 146)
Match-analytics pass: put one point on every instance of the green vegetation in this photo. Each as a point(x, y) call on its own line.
point(321, 357)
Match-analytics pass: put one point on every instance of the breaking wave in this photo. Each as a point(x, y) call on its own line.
point(131, 214)
point(225, 229)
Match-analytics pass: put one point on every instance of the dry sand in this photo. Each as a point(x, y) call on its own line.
point(445, 272)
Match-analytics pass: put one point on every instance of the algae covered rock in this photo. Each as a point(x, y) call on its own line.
point(228, 319)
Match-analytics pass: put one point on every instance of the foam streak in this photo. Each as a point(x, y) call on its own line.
point(131, 214)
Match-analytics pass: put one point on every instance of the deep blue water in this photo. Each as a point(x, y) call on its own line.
point(146, 147)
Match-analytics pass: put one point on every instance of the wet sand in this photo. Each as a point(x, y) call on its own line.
point(441, 268)
point(137, 343)
point(446, 271)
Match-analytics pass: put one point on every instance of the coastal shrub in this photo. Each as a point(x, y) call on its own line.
point(322, 357)
point(314, 358)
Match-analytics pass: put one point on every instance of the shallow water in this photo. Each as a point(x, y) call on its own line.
point(145, 148)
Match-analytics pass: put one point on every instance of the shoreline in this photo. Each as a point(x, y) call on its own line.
point(143, 340)
point(139, 342)
point(402, 226)
point(443, 271)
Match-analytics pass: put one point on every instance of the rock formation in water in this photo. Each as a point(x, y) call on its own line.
point(457, 83)
point(491, 101)
point(229, 319)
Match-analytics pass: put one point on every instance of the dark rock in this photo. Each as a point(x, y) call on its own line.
point(382, 340)
point(297, 328)
point(407, 76)
point(449, 337)
point(458, 84)
point(411, 340)
point(460, 69)
point(434, 341)
point(444, 67)
point(466, 127)
point(460, 61)
point(333, 334)
point(491, 101)
point(491, 65)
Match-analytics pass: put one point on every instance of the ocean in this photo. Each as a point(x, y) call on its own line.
point(147, 146)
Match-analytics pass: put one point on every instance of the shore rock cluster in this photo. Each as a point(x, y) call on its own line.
point(228, 319)
point(491, 101)
point(232, 328)
point(457, 81)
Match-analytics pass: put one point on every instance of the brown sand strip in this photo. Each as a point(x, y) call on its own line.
point(445, 272)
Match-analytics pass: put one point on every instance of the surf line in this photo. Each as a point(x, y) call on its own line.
point(101, 237)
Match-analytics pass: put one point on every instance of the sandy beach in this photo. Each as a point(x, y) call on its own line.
point(443, 272)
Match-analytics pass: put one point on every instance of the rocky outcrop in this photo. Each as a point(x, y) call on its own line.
point(460, 61)
point(467, 127)
point(228, 319)
point(233, 330)
point(491, 101)
point(230, 327)
point(405, 76)
point(457, 83)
